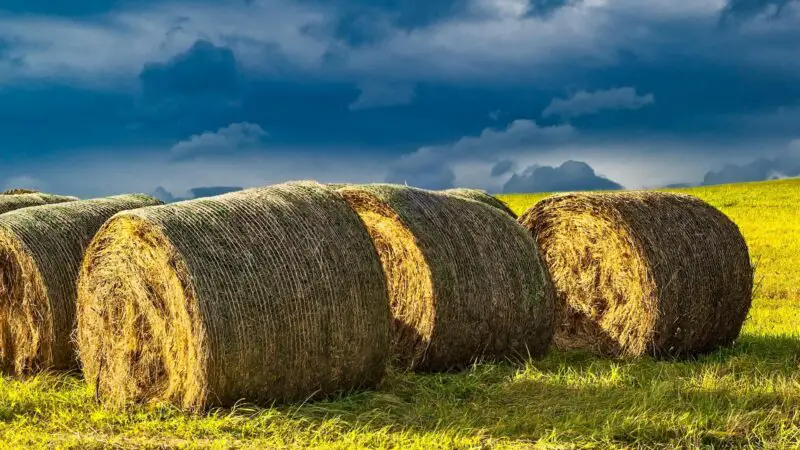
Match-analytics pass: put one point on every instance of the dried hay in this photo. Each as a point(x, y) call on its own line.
point(268, 294)
point(481, 196)
point(41, 249)
point(641, 273)
point(17, 191)
point(10, 202)
point(465, 280)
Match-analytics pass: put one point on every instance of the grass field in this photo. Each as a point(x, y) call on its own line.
point(744, 396)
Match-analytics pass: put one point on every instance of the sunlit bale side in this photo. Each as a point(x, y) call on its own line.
point(465, 280)
point(264, 295)
point(481, 196)
point(643, 273)
point(11, 201)
point(41, 249)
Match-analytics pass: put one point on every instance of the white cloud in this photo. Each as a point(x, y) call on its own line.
point(585, 103)
point(500, 41)
point(514, 9)
point(113, 48)
point(235, 136)
point(433, 167)
point(380, 94)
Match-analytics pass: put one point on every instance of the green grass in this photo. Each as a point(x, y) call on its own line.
point(744, 396)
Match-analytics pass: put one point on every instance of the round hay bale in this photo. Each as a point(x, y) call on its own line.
point(465, 281)
point(41, 249)
point(268, 294)
point(481, 196)
point(643, 273)
point(10, 202)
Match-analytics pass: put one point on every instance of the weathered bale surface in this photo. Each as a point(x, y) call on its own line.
point(10, 202)
point(337, 185)
point(643, 273)
point(268, 294)
point(465, 280)
point(481, 196)
point(41, 249)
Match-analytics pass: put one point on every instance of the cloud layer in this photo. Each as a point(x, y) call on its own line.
point(569, 176)
point(787, 164)
point(236, 136)
point(584, 103)
point(432, 167)
point(443, 93)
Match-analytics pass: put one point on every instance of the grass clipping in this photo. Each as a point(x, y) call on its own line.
point(481, 196)
point(643, 273)
point(465, 280)
point(12, 201)
point(41, 249)
point(269, 294)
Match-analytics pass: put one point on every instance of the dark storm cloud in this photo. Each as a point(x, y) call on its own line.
point(433, 177)
point(61, 7)
point(198, 89)
point(502, 167)
point(569, 176)
point(401, 75)
point(738, 10)
point(203, 68)
point(787, 165)
point(7, 54)
point(66, 8)
point(432, 167)
point(544, 8)
point(586, 103)
point(365, 22)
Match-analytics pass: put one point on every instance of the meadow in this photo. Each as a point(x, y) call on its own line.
point(745, 396)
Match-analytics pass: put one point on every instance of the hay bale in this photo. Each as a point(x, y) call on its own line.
point(267, 294)
point(641, 273)
point(335, 186)
point(10, 202)
point(41, 249)
point(481, 196)
point(465, 281)
point(17, 191)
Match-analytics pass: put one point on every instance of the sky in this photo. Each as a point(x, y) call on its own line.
point(99, 97)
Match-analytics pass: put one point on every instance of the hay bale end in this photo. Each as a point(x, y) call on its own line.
point(643, 273)
point(268, 294)
point(41, 249)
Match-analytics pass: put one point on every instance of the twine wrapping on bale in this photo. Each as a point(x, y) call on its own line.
point(10, 202)
point(481, 196)
point(643, 273)
point(465, 280)
point(41, 249)
point(269, 294)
